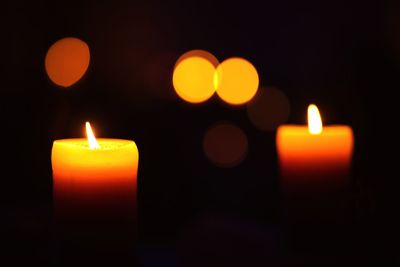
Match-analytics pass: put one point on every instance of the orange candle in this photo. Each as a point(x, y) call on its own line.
point(315, 165)
point(315, 156)
point(95, 184)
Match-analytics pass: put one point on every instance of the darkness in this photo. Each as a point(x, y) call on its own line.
point(342, 55)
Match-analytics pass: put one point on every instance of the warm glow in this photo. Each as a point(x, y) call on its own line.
point(236, 81)
point(67, 60)
point(314, 120)
point(193, 79)
point(91, 138)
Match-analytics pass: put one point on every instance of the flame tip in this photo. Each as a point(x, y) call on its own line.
point(314, 120)
point(93, 144)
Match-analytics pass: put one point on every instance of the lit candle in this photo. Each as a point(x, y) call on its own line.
point(95, 185)
point(315, 166)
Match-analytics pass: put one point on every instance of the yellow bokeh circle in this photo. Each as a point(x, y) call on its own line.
point(236, 81)
point(193, 79)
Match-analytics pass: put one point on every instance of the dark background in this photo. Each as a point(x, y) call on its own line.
point(342, 55)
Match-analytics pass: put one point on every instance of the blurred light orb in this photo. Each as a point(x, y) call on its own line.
point(193, 76)
point(269, 109)
point(199, 53)
point(236, 81)
point(225, 145)
point(67, 60)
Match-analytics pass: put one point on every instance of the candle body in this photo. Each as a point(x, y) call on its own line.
point(315, 174)
point(95, 191)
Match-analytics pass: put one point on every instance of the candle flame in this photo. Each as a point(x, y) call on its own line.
point(90, 136)
point(314, 120)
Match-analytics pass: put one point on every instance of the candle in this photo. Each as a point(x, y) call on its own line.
point(315, 156)
point(95, 186)
point(315, 163)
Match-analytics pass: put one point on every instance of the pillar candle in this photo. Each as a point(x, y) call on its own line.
point(95, 187)
point(315, 162)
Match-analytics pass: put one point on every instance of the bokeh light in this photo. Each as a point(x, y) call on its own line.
point(269, 109)
point(199, 53)
point(67, 60)
point(236, 81)
point(193, 77)
point(225, 145)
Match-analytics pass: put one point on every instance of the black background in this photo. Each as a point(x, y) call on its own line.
point(342, 55)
